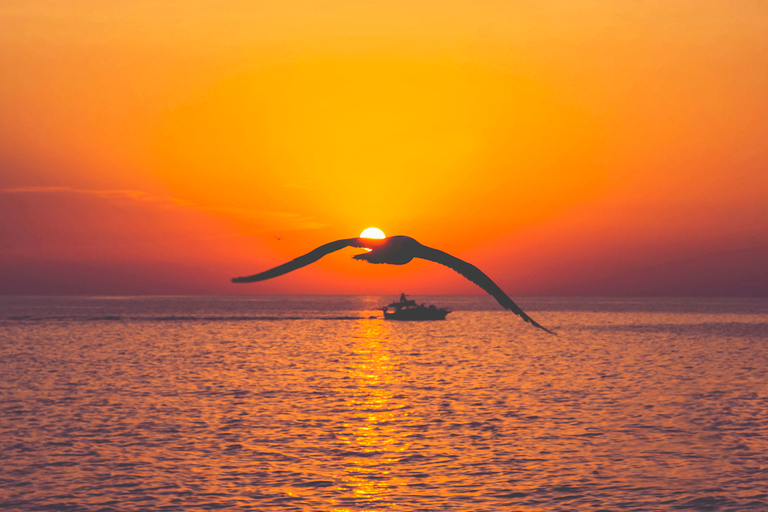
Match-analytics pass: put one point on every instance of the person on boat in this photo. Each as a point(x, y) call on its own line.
point(402, 298)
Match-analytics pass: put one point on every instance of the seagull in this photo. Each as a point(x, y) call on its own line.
point(397, 250)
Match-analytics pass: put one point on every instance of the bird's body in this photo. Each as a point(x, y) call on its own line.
point(393, 250)
point(397, 250)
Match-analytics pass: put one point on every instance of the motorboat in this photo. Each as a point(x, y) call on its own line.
point(405, 309)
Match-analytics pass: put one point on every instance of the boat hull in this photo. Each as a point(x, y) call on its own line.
point(420, 314)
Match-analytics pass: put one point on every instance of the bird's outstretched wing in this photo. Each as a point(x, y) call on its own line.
point(301, 261)
point(477, 276)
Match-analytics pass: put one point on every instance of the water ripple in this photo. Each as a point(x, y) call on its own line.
point(652, 411)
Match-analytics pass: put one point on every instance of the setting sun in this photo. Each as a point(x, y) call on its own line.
point(372, 233)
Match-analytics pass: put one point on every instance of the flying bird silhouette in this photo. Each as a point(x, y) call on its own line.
point(397, 250)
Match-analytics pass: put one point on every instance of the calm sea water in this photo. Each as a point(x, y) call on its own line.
point(306, 403)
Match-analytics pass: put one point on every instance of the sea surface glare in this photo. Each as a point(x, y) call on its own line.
point(305, 403)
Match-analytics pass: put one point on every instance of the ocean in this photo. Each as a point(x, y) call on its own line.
point(315, 403)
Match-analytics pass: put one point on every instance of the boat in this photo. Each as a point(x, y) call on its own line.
point(405, 309)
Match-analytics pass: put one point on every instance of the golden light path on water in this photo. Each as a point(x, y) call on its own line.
point(379, 440)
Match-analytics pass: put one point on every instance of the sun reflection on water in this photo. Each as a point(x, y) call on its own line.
point(372, 436)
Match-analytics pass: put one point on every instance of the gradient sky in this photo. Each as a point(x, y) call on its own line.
point(564, 147)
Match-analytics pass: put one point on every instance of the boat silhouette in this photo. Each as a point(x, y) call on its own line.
point(405, 309)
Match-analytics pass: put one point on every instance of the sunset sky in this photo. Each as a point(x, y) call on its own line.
point(564, 147)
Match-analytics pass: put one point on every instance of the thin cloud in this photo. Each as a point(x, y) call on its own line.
point(268, 220)
point(272, 218)
point(136, 195)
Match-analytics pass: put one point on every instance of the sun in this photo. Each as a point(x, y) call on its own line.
point(372, 233)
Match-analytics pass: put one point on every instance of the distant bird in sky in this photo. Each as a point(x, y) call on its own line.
point(397, 250)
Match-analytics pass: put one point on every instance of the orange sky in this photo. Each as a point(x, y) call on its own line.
point(564, 147)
